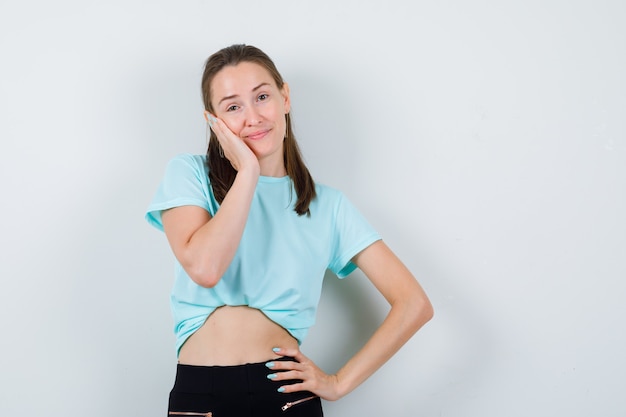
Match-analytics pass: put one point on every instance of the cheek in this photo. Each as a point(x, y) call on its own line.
point(277, 115)
point(234, 123)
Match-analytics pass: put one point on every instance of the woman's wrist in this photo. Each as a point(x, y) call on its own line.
point(251, 171)
point(339, 388)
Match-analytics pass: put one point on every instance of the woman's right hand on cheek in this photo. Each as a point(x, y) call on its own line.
point(235, 150)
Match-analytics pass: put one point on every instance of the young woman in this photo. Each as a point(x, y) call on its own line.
point(253, 236)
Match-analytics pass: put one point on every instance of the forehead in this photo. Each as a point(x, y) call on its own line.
point(239, 79)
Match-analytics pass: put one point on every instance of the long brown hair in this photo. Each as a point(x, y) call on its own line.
point(221, 173)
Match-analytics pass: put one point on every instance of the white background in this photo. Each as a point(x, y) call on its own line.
point(485, 140)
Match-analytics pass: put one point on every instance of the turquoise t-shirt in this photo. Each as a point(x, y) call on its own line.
point(282, 257)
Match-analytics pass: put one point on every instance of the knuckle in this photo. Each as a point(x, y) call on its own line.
point(283, 375)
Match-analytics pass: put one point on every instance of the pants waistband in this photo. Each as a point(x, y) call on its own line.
point(227, 380)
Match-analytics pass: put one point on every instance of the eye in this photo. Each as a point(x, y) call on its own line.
point(262, 97)
point(232, 107)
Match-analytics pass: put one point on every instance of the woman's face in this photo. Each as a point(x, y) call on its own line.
point(247, 99)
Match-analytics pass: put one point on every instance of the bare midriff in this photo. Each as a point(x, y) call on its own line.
point(235, 335)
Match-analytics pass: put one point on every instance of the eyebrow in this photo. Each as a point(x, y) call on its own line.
point(235, 95)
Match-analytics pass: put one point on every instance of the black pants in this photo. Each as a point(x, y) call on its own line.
point(237, 391)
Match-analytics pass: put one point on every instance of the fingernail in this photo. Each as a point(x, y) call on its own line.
point(270, 364)
point(271, 376)
point(276, 349)
point(281, 389)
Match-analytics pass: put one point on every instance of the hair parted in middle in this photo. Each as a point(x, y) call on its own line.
point(221, 172)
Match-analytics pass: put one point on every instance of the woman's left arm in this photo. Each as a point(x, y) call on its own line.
point(410, 310)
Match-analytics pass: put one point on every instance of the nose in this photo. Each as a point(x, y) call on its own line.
point(253, 117)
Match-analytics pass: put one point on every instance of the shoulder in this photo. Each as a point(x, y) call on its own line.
point(332, 199)
point(185, 183)
point(326, 192)
point(188, 164)
point(190, 160)
point(328, 198)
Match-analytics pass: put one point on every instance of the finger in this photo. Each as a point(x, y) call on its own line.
point(284, 365)
point(217, 126)
point(292, 352)
point(222, 133)
point(285, 376)
point(230, 142)
point(292, 388)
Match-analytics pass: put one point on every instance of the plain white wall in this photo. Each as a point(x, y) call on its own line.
point(485, 140)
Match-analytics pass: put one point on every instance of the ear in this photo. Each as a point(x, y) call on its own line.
point(285, 93)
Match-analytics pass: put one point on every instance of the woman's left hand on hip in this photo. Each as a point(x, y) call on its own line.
point(313, 378)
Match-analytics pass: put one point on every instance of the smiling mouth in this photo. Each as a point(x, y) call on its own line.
point(258, 135)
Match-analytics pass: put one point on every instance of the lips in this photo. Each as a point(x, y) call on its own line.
point(259, 134)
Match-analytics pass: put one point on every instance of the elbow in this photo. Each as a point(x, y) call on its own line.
point(204, 275)
point(427, 311)
point(206, 281)
point(422, 312)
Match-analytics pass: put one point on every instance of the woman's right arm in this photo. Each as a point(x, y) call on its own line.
point(205, 245)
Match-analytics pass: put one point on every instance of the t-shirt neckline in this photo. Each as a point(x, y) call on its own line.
point(265, 179)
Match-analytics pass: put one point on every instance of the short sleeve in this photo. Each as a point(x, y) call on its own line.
point(352, 234)
point(185, 183)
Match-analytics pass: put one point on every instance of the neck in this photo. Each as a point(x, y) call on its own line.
point(277, 171)
point(273, 166)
